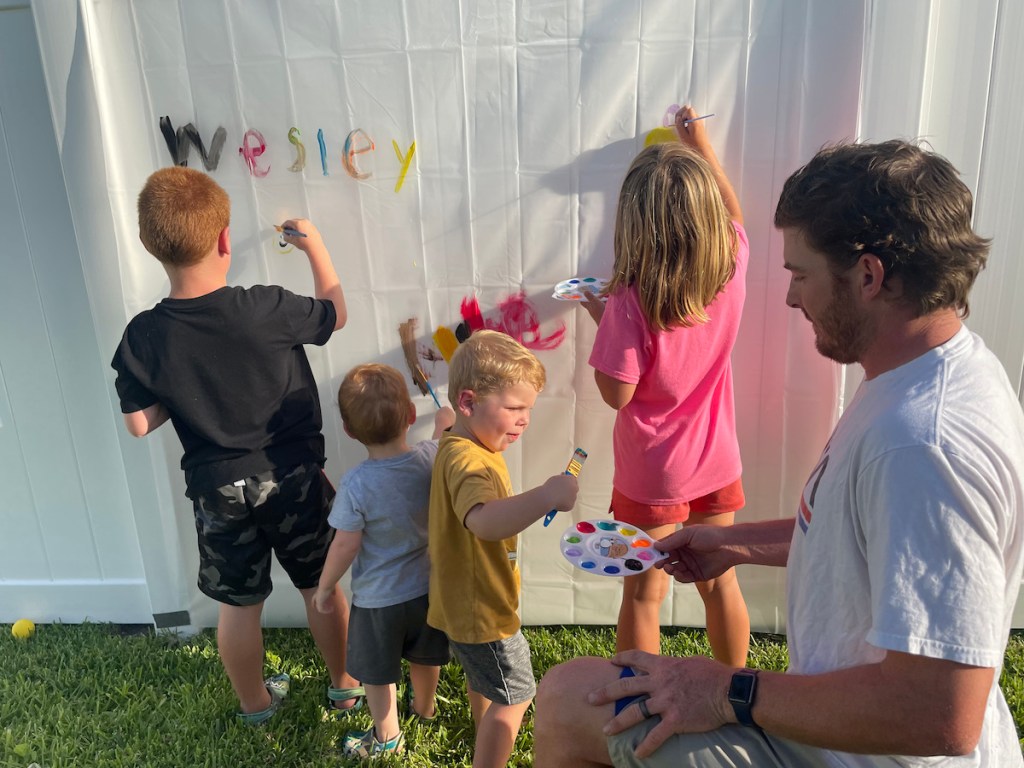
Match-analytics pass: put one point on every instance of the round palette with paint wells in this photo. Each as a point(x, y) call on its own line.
point(572, 289)
point(608, 548)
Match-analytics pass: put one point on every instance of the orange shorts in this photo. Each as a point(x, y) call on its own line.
point(625, 510)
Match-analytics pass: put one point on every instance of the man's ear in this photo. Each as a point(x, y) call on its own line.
point(224, 242)
point(870, 277)
point(464, 402)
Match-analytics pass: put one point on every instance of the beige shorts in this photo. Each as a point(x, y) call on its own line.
point(731, 746)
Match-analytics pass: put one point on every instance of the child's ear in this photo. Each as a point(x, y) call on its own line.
point(224, 241)
point(344, 426)
point(412, 413)
point(464, 402)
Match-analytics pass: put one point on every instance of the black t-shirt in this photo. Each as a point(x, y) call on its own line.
point(230, 368)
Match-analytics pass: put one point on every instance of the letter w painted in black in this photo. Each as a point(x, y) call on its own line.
point(180, 142)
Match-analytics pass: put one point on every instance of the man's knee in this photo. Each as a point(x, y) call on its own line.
point(553, 686)
point(562, 692)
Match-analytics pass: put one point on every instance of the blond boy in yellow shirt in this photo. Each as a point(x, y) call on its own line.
point(475, 520)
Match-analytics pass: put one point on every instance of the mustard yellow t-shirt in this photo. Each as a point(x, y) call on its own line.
point(474, 584)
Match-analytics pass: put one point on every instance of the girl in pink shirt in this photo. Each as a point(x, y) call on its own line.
point(661, 359)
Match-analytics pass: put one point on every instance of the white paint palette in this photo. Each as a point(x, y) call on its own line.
point(608, 548)
point(572, 289)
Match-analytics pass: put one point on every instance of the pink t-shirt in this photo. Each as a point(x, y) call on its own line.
point(675, 441)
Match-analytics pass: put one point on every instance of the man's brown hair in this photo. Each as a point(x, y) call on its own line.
point(902, 203)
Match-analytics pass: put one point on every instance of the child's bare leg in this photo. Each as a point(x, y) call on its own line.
point(725, 609)
point(383, 702)
point(240, 643)
point(642, 595)
point(330, 633)
point(478, 705)
point(423, 679)
point(496, 734)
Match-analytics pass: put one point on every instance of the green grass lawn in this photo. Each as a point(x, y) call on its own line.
point(97, 696)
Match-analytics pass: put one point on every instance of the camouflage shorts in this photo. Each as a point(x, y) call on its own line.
point(239, 525)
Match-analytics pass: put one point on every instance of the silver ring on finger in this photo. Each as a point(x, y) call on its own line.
point(642, 706)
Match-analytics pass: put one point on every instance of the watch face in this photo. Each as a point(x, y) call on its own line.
point(742, 687)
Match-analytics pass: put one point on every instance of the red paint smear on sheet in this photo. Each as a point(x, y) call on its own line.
point(518, 318)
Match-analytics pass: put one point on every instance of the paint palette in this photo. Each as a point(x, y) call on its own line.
point(572, 289)
point(608, 548)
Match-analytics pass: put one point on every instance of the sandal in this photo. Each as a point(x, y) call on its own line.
point(337, 695)
point(364, 744)
point(277, 687)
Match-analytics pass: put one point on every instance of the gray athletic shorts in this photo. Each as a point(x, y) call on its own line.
point(731, 746)
point(501, 671)
point(379, 638)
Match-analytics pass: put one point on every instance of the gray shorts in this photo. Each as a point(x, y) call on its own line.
point(379, 638)
point(501, 671)
point(731, 746)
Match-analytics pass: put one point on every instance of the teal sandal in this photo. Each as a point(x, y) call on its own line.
point(337, 695)
point(277, 687)
point(364, 744)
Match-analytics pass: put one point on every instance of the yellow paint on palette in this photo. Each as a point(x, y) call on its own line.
point(661, 135)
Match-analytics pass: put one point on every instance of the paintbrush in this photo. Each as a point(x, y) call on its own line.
point(575, 465)
point(430, 389)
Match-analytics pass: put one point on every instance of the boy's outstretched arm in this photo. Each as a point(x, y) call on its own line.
point(141, 423)
point(502, 518)
point(326, 284)
point(340, 557)
point(695, 136)
point(443, 419)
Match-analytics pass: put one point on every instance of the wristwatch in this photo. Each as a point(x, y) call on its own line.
point(742, 692)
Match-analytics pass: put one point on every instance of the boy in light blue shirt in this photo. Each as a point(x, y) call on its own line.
point(380, 517)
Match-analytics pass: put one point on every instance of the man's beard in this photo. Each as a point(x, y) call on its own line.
point(841, 334)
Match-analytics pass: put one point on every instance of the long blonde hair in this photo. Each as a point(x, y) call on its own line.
point(673, 236)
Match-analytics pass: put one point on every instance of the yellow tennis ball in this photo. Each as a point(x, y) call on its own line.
point(23, 629)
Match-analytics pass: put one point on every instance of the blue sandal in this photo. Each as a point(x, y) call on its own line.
point(337, 695)
point(277, 687)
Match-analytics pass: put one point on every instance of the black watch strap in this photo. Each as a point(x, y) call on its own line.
point(742, 693)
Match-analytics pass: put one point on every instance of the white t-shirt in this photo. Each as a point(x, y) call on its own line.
point(909, 532)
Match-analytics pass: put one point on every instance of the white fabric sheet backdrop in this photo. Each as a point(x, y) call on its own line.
point(525, 115)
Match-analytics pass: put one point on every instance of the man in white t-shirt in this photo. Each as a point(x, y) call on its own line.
point(904, 558)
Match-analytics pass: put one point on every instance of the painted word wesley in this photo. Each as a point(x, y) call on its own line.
point(181, 140)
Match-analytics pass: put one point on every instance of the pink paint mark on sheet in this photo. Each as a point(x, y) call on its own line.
point(518, 318)
point(251, 152)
